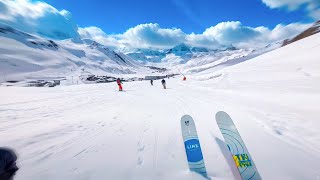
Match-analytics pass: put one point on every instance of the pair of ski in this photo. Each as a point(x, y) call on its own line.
point(241, 156)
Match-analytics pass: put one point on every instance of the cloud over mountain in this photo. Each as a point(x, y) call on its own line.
point(225, 33)
point(152, 35)
point(38, 17)
point(43, 19)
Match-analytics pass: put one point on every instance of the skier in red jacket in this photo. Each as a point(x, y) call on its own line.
point(119, 84)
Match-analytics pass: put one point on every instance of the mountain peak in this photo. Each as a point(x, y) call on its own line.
point(179, 49)
point(182, 47)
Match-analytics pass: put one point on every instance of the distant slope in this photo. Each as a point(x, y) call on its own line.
point(179, 54)
point(195, 59)
point(218, 59)
point(24, 55)
point(309, 32)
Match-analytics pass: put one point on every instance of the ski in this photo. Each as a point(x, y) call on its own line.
point(241, 156)
point(192, 146)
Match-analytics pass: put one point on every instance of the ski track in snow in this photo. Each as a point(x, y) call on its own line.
point(66, 132)
point(94, 132)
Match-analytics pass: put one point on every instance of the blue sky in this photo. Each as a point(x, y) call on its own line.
point(114, 16)
point(163, 23)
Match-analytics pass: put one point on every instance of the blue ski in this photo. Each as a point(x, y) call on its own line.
point(192, 146)
point(241, 156)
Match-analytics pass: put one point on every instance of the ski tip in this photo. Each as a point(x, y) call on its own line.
point(221, 115)
point(186, 117)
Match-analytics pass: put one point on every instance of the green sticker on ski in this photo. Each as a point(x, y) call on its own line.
point(241, 156)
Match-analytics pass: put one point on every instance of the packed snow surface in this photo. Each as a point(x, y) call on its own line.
point(94, 132)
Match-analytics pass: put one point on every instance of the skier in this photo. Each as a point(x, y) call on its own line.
point(119, 84)
point(8, 167)
point(184, 78)
point(163, 82)
point(151, 81)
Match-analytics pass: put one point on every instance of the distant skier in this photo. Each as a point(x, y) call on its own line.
point(119, 84)
point(151, 82)
point(163, 82)
point(184, 78)
point(8, 167)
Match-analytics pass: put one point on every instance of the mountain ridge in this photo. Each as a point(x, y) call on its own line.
point(309, 32)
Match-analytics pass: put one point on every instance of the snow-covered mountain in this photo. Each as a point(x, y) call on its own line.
point(182, 51)
point(183, 56)
point(146, 55)
point(214, 60)
point(24, 55)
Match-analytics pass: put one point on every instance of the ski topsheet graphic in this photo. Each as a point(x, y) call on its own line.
point(240, 154)
point(192, 146)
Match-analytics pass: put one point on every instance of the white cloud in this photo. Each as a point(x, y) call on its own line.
point(41, 18)
point(38, 17)
point(146, 35)
point(225, 33)
point(201, 40)
point(91, 32)
point(291, 4)
point(98, 35)
point(142, 36)
point(315, 14)
point(314, 9)
point(26, 8)
point(287, 31)
point(279, 33)
point(235, 33)
point(312, 6)
point(231, 32)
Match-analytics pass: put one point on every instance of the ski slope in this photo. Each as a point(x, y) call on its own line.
point(27, 57)
point(92, 132)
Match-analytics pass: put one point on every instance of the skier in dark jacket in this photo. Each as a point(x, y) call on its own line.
point(119, 84)
point(8, 167)
point(151, 81)
point(163, 82)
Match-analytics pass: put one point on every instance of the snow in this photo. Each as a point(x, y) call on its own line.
point(95, 132)
point(24, 55)
point(27, 57)
point(184, 56)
